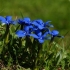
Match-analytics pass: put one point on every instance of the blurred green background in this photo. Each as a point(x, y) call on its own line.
point(58, 11)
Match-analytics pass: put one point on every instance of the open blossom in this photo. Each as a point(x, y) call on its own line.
point(54, 33)
point(7, 20)
point(24, 21)
point(41, 37)
point(38, 23)
point(25, 32)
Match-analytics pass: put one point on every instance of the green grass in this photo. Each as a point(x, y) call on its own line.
point(58, 11)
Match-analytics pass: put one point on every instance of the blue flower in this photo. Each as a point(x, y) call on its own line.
point(41, 37)
point(25, 32)
point(28, 29)
point(54, 33)
point(2, 19)
point(24, 21)
point(7, 20)
point(38, 24)
point(21, 33)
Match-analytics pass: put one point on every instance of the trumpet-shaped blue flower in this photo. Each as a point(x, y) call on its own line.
point(54, 33)
point(24, 21)
point(2, 19)
point(38, 23)
point(21, 33)
point(7, 20)
point(25, 32)
point(41, 37)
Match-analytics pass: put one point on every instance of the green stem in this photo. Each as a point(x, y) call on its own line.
point(6, 35)
point(37, 62)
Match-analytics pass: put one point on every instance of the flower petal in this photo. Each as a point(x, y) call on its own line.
point(26, 20)
point(40, 40)
point(2, 19)
point(54, 33)
point(8, 18)
point(38, 25)
point(39, 21)
point(20, 33)
point(39, 34)
point(33, 35)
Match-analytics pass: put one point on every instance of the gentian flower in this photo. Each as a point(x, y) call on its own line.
point(2, 19)
point(25, 32)
point(24, 21)
point(54, 33)
point(41, 37)
point(38, 23)
point(21, 33)
point(7, 20)
point(28, 29)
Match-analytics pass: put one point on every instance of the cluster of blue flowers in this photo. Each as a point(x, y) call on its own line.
point(35, 28)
